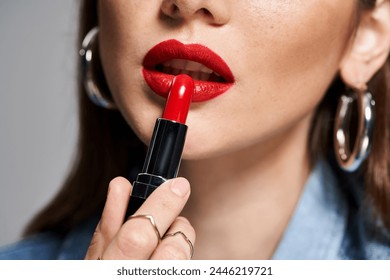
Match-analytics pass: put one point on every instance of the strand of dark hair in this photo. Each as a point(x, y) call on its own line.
point(106, 149)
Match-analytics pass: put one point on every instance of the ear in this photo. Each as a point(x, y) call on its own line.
point(370, 46)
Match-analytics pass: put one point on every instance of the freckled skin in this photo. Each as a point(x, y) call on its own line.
point(283, 54)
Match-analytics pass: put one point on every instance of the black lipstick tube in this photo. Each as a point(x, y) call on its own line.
point(164, 153)
point(162, 160)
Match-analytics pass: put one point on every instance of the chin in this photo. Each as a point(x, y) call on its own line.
point(207, 150)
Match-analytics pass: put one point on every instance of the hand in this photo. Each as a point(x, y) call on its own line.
point(136, 238)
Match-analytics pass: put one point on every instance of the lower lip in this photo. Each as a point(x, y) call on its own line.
point(160, 83)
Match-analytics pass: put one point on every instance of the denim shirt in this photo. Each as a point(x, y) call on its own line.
point(329, 222)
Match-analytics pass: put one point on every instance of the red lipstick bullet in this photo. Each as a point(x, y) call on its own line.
point(179, 99)
point(164, 153)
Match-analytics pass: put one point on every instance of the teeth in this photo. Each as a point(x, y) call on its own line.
point(206, 70)
point(185, 72)
point(196, 75)
point(204, 76)
point(175, 71)
point(178, 63)
point(187, 65)
point(194, 69)
point(193, 66)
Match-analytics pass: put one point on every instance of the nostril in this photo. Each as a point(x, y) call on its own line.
point(212, 12)
point(170, 10)
point(175, 9)
point(205, 12)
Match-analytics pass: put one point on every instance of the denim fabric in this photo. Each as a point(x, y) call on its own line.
point(50, 246)
point(329, 222)
point(317, 228)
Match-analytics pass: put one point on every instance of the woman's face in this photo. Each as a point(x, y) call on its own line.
point(283, 55)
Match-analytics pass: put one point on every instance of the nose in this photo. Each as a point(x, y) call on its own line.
point(214, 12)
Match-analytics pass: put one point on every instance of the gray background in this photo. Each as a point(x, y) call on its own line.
point(37, 106)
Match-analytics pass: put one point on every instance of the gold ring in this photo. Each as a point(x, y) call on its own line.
point(185, 238)
point(151, 220)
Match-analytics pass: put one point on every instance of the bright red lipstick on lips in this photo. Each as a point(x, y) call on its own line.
point(159, 79)
point(167, 143)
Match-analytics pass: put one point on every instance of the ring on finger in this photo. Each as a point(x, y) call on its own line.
point(185, 238)
point(152, 222)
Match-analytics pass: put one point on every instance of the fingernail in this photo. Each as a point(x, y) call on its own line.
point(180, 187)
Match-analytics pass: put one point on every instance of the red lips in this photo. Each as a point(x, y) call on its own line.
point(159, 78)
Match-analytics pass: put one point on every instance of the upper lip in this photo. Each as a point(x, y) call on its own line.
point(171, 52)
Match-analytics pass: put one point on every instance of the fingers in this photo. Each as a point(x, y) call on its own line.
point(116, 205)
point(112, 217)
point(178, 243)
point(137, 237)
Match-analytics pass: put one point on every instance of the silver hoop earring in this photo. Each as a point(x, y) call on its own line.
point(92, 88)
point(351, 159)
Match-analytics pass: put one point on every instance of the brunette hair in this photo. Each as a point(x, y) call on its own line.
point(107, 148)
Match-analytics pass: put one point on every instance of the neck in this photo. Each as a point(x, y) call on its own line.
point(241, 203)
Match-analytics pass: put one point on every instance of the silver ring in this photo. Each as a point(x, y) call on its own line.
point(185, 238)
point(152, 222)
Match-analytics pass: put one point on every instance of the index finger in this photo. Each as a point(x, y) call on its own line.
point(137, 237)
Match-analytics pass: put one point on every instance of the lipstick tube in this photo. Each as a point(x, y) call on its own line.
point(164, 153)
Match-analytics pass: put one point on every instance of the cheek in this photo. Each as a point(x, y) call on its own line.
point(122, 47)
point(296, 41)
point(295, 55)
point(283, 66)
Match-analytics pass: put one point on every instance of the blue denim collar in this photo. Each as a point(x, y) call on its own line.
point(318, 225)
